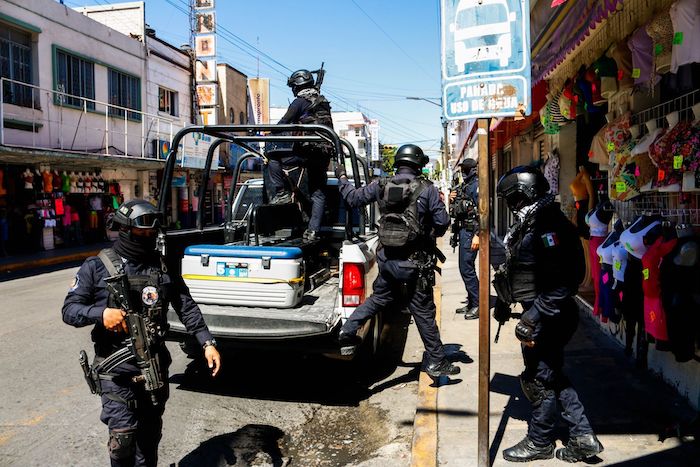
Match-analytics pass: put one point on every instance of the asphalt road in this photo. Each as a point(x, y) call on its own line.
point(264, 409)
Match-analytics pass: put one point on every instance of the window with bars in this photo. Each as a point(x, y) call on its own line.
point(124, 91)
point(16, 64)
point(74, 76)
point(167, 101)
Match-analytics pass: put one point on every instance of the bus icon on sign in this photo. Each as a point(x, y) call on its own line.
point(482, 32)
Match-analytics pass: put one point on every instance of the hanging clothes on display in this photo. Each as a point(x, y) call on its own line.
point(654, 314)
point(622, 55)
point(636, 239)
point(685, 16)
point(550, 168)
point(609, 297)
point(669, 164)
point(642, 48)
point(680, 296)
point(660, 29)
point(598, 221)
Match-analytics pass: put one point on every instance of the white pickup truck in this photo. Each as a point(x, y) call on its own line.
point(233, 280)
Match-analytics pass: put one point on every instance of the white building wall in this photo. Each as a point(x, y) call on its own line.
point(63, 127)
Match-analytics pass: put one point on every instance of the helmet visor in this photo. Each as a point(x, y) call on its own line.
point(147, 221)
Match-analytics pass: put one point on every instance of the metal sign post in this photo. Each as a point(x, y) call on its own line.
point(485, 73)
point(484, 294)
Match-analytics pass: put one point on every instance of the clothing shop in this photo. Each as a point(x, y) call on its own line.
point(616, 131)
point(63, 202)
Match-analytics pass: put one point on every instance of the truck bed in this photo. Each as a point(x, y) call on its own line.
point(315, 315)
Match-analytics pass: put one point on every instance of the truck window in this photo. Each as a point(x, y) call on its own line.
point(252, 195)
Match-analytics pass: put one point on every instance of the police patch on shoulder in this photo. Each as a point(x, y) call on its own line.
point(550, 239)
point(149, 295)
point(75, 283)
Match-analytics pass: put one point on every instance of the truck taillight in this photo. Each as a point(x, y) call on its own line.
point(353, 284)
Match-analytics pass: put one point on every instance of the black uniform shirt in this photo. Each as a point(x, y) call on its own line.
point(296, 110)
point(431, 211)
point(87, 300)
point(552, 247)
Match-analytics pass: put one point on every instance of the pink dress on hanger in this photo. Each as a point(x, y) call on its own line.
point(654, 314)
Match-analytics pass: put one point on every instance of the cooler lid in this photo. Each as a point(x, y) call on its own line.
point(245, 251)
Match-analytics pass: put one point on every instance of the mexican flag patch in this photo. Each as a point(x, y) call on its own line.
point(550, 239)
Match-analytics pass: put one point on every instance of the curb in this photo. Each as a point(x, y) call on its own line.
point(425, 434)
point(43, 262)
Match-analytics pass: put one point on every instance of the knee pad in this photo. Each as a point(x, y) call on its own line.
point(535, 390)
point(122, 443)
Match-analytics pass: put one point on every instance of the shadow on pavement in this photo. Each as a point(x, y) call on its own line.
point(294, 377)
point(250, 445)
point(618, 397)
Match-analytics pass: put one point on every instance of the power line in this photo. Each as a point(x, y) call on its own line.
point(392, 39)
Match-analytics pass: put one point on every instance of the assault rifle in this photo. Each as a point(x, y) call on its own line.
point(138, 347)
point(320, 73)
point(141, 336)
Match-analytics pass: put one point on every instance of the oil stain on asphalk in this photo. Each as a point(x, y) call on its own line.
point(337, 436)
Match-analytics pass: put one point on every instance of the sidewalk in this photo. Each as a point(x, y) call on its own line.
point(42, 259)
point(628, 408)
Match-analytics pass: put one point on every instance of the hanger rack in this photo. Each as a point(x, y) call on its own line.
point(682, 104)
point(679, 208)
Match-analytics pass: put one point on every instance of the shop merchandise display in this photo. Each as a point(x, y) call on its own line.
point(654, 313)
point(598, 221)
point(610, 295)
point(642, 48)
point(685, 16)
point(584, 197)
point(669, 165)
point(660, 30)
point(550, 168)
point(622, 55)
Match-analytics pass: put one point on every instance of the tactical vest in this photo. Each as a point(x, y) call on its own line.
point(399, 225)
point(318, 113)
point(147, 296)
point(464, 209)
point(514, 281)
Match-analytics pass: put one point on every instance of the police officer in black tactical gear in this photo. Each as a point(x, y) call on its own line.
point(132, 414)
point(412, 217)
point(308, 107)
point(464, 208)
point(544, 265)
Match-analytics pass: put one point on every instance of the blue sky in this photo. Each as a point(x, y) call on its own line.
point(370, 67)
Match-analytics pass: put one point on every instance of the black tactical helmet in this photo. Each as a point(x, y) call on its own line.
point(468, 163)
point(522, 186)
point(137, 213)
point(411, 155)
point(300, 79)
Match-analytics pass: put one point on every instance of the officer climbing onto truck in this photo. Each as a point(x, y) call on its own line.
point(464, 201)
point(412, 216)
point(125, 293)
point(308, 107)
point(544, 266)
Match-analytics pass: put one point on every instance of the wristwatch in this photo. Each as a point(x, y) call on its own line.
point(210, 342)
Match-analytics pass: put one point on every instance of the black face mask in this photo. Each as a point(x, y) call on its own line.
point(136, 247)
point(468, 173)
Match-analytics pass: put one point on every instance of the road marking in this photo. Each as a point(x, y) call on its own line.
point(425, 439)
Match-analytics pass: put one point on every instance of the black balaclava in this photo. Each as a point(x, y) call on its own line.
point(138, 248)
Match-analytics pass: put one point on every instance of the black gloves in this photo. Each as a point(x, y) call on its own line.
point(527, 327)
point(340, 172)
point(501, 312)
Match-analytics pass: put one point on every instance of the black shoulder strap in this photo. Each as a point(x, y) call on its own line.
point(422, 185)
point(112, 261)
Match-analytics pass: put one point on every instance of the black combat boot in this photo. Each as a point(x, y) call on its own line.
point(442, 368)
point(347, 339)
point(472, 313)
point(527, 451)
point(580, 448)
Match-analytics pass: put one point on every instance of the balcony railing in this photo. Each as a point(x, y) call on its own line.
point(57, 121)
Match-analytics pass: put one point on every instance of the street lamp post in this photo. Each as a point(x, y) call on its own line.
point(445, 142)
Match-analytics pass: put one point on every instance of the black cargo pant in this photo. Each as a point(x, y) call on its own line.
point(387, 291)
point(544, 368)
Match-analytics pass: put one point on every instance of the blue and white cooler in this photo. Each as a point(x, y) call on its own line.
point(271, 277)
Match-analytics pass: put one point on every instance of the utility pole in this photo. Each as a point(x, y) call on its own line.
point(445, 148)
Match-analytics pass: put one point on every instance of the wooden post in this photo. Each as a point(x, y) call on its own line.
point(484, 295)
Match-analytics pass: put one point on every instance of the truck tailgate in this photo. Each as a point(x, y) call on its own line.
point(315, 315)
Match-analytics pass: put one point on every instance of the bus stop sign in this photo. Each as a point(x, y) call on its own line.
point(485, 58)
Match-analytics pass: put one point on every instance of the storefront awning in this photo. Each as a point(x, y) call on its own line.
point(17, 155)
point(568, 26)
